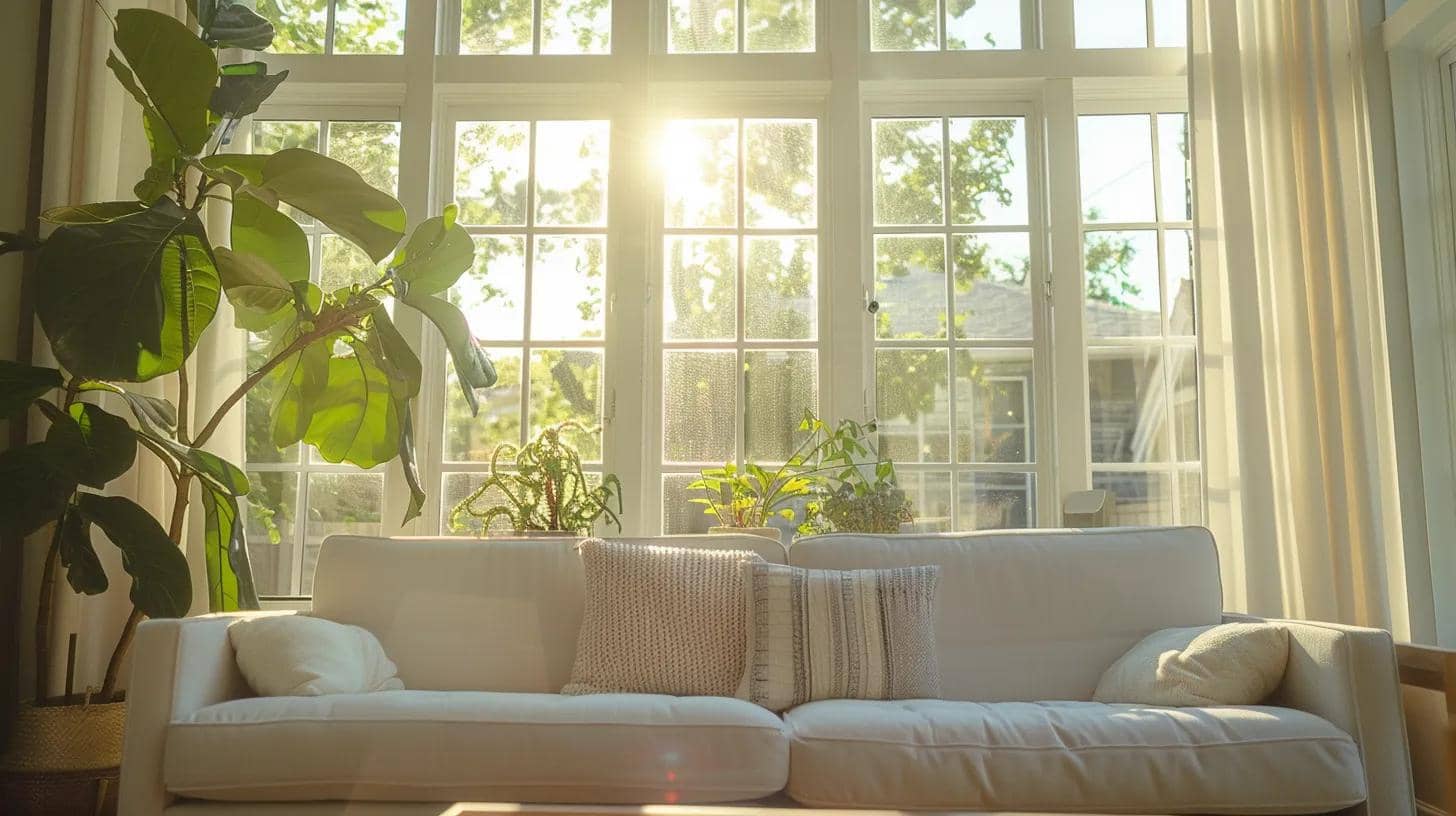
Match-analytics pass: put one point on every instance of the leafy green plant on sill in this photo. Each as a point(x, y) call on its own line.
point(124, 291)
point(542, 487)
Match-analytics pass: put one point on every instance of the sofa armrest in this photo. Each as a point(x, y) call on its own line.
point(178, 666)
point(1348, 675)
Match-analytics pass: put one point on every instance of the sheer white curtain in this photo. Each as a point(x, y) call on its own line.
point(1302, 460)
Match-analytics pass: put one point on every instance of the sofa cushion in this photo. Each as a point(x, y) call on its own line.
point(448, 746)
point(1078, 756)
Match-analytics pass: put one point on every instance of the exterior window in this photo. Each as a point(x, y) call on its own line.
point(1131, 23)
point(729, 26)
point(951, 25)
point(536, 26)
point(336, 26)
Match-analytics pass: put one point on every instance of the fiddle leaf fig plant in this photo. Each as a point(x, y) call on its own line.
point(126, 290)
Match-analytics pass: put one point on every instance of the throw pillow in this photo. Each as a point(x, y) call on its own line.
point(834, 634)
point(1226, 664)
point(304, 656)
point(660, 620)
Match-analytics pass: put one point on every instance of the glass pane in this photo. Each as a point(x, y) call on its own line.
point(778, 387)
point(911, 404)
point(298, 25)
point(780, 301)
point(454, 488)
point(340, 504)
point(1184, 361)
point(992, 284)
point(779, 25)
point(679, 514)
point(473, 438)
point(1174, 167)
point(571, 173)
point(257, 406)
point(495, 26)
point(699, 161)
point(269, 509)
point(701, 301)
point(909, 159)
point(1190, 497)
point(702, 26)
point(994, 409)
point(904, 25)
point(1125, 390)
point(910, 286)
point(492, 293)
point(567, 385)
point(1143, 499)
point(1170, 23)
point(988, 171)
point(699, 405)
point(981, 24)
point(341, 264)
point(568, 276)
point(369, 26)
point(1111, 24)
point(929, 494)
point(576, 26)
point(781, 173)
point(995, 501)
point(491, 165)
point(1117, 167)
point(1178, 252)
point(371, 148)
point(1122, 284)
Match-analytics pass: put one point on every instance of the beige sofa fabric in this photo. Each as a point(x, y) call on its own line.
point(485, 746)
point(1225, 664)
point(943, 755)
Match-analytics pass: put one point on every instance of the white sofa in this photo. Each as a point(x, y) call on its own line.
point(484, 634)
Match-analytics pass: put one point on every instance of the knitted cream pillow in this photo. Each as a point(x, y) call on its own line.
point(660, 620)
point(1226, 664)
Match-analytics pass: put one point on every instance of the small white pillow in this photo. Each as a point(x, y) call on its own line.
point(304, 656)
point(1227, 664)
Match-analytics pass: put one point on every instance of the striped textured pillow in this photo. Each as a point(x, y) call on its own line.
point(839, 634)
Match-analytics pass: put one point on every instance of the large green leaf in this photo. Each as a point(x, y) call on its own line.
point(402, 367)
point(174, 68)
point(20, 384)
point(34, 490)
point(91, 213)
point(259, 295)
point(83, 568)
point(237, 26)
point(296, 385)
point(335, 194)
point(165, 149)
point(261, 230)
point(149, 410)
point(437, 253)
point(243, 89)
point(91, 445)
point(229, 574)
point(161, 586)
point(472, 367)
point(237, 170)
point(355, 419)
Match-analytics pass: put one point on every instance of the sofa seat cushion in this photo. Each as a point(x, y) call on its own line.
point(947, 755)
point(494, 746)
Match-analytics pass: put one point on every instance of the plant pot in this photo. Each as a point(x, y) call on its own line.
point(63, 760)
point(765, 532)
point(538, 534)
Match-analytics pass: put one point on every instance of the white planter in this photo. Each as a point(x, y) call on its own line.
point(765, 532)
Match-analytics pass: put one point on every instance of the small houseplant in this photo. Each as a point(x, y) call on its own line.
point(124, 291)
point(541, 489)
point(745, 500)
point(855, 488)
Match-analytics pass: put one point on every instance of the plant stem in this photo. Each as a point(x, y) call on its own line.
point(43, 613)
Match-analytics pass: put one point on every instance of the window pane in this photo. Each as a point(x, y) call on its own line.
point(473, 438)
point(702, 26)
point(995, 501)
point(779, 25)
point(492, 162)
point(911, 404)
point(340, 504)
point(701, 299)
point(700, 407)
point(257, 405)
point(1126, 401)
point(454, 488)
point(567, 385)
point(1190, 497)
point(576, 26)
point(904, 25)
point(1143, 499)
point(910, 286)
point(1117, 167)
point(371, 148)
point(994, 412)
point(341, 264)
point(269, 509)
point(1178, 255)
point(492, 293)
point(992, 284)
point(298, 25)
point(1111, 23)
point(369, 26)
point(779, 386)
point(699, 161)
point(679, 514)
point(929, 495)
point(988, 171)
point(495, 26)
point(1185, 403)
point(909, 159)
point(1174, 167)
point(780, 298)
point(571, 173)
point(1170, 23)
point(980, 24)
point(568, 276)
point(781, 173)
point(1122, 284)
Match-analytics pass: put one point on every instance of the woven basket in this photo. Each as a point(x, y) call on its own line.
point(63, 760)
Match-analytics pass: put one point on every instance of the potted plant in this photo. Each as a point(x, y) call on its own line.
point(542, 490)
point(855, 488)
point(124, 291)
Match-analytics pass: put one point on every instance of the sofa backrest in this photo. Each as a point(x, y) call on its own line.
point(1040, 615)
point(473, 614)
